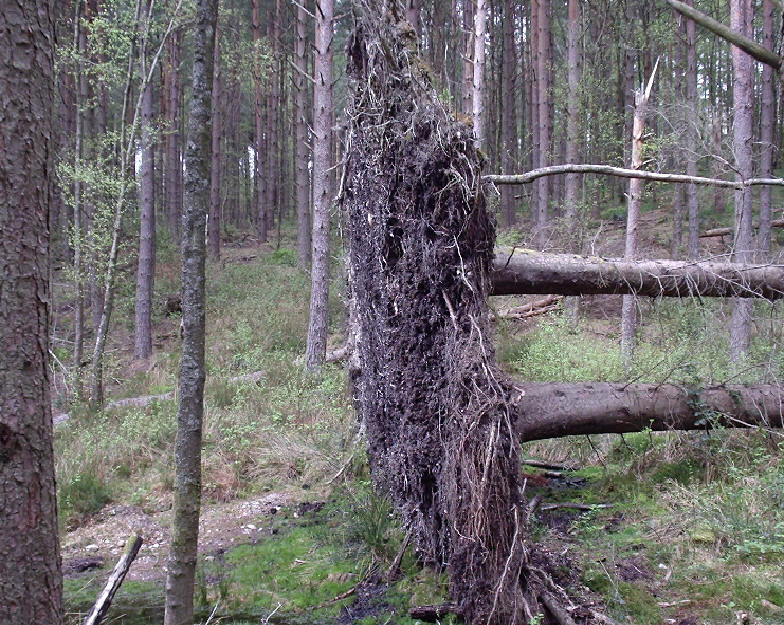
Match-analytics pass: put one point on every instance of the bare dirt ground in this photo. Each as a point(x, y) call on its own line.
point(221, 527)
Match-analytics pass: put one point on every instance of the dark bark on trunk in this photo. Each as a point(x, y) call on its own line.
point(215, 217)
point(302, 182)
point(181, 564)
point(547, 410)
point(30, 578)
point(527, 271)
point(545, 120)
point(742, 91)
point(316, 349)
point(142, 339)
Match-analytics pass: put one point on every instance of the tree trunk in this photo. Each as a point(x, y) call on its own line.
point(302, 181)
point(479, 112)
point(545, 120)
point(30, 578)
point(509, 111)
point(547, 410)
point(262, 223)
point(742, 91)
point(316, 349)
point(142, 338)
point(766, 131)
point(80, 97)
point(215, 217)
point(468, 57)
point(173, 165)
point(636, 188)
point(573, 116)
point(691, 138)
point(181, 565)
point(527, 271)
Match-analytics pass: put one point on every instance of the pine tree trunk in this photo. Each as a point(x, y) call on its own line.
point(215, 217)
point(181, 565)
point(468, 56)
point(142, 340)
point(80, 93)
point(479, 112)
point(766, 131)
point(742, 92)
point(258, 142)
point(173, 121)
point(302, 181)
point(322, 162)
point(545, 120)
point(30, 578)
point(691, 148)
point(509, 111)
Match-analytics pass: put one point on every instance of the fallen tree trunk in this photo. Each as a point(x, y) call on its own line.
point(721, 232)
point(750, 47)
point(527, 271)
point(554, 409)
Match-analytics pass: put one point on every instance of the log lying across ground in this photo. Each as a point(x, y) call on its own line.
point(552, 410)
point(527, 271)
point(723, 232)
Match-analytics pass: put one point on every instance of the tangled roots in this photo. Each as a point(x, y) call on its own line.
point(436, 409)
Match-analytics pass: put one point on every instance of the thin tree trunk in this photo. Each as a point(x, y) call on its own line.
point(636, 187)
point(173, 165)
point(214, 221)
point(30, 578)
point(545, 119)
point(322, 161)
point(480, 35)
point(572, 193)
point(691, 138)
point(468, 57)
point(740, 18)
point(509, 111)
point(766, 130)
point(181, 565)
point(80, 96)
point(142, 341)
point(302, 181)
point(258, 143)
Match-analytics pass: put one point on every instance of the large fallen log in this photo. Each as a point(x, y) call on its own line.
point(527, 271)
point(552, 410)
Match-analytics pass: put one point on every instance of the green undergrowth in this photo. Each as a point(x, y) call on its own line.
point(287, 429)
point(297, 571)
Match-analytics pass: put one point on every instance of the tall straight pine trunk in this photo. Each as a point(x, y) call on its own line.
point(322, 162)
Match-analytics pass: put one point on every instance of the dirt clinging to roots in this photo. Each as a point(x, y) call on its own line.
point(436, 408)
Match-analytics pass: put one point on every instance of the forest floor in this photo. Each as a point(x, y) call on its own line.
point(690, 527)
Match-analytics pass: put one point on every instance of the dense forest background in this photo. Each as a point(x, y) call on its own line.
point(644, 528)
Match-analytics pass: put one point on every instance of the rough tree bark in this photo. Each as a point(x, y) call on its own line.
point(743, 76)
point(544, 58)
point(80, 97)
point(30, 578)
point(316, 348)
point(527, 271)
point(181, 566)
point(173, 164)
point(145, 274)
point(302, 181)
